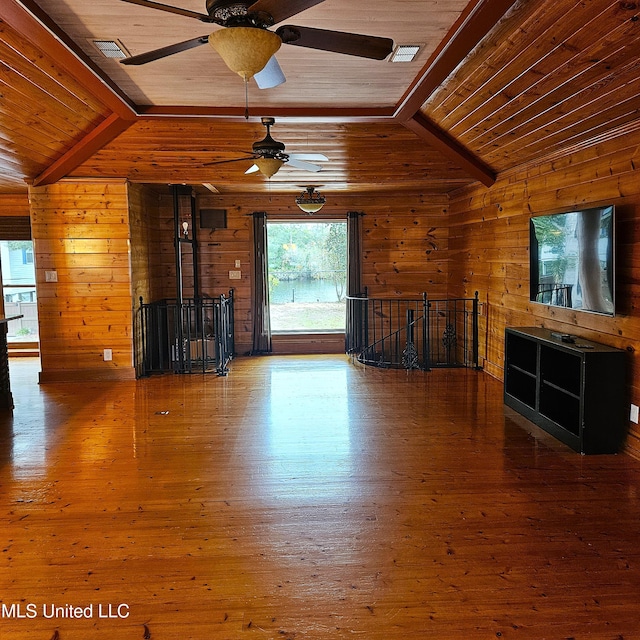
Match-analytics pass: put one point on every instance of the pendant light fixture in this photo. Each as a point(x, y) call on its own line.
point(310, 200)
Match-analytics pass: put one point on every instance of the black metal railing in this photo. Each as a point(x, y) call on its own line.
point(195, 336)
point(413, 333)
point(554, 293)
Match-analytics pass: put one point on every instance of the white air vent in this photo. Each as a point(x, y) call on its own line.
point(405, 52)
point(110, 48)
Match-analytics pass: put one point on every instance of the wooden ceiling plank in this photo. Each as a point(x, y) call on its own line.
point(299, 115)
point(473, 25)
point(539, 143)
point(165, 150)
point(31, 23)
point(88, 146)
point(27, 62)
point(447, 145)
point(506, 57)
point(59, 124)
point(560, 74)
point(23, 152)
point(596, 90)
point(552, 74)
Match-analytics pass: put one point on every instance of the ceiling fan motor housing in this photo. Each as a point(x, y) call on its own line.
point(268, 147)
point(232, 13)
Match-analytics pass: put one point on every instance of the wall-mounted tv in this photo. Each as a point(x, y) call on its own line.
point(572, 259)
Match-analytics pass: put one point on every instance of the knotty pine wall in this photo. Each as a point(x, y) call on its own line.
point(14, 205)
point(82, 232)
point(405, 245)
point(476, 241)
point(146, 276)
point(489, 250)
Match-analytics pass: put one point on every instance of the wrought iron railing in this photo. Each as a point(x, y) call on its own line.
point(195, 336)
point(557, 294)
point(413, 333)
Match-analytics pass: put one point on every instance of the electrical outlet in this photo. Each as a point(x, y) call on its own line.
point(108, 355)
point(633, 415)
point(51, 276)
point(235, 275)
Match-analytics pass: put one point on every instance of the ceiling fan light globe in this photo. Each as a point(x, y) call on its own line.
point(269, 166)
point(245, 50)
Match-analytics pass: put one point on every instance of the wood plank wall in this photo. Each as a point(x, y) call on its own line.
point(404, 245)
point(81, 231)
point(489, 250)
point(146, 278)
point(14, 204)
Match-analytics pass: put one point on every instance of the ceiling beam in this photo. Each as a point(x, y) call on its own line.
point(101, 135)
point(291, 114)
point(440, 140)
point(27, 19)
point(471, 27)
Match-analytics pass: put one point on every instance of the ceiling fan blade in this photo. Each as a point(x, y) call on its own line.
point(157, 54)
point(252, 169)
point(314, 157)
point(169, 9)
point(305, 166)
point(352, 44)
point(282, 9)
point(271, 76)
point(209, 164)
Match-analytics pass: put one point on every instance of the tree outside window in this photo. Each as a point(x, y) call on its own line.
point(307, 276)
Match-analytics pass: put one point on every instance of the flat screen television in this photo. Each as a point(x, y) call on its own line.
point(573, 259)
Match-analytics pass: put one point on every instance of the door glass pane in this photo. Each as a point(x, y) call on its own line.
point(307, 276)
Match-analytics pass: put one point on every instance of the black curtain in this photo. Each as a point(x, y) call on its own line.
point(260, 301)
point(354, 324)
point(354, 253)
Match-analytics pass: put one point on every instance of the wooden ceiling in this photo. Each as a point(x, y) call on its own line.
point(497, 84)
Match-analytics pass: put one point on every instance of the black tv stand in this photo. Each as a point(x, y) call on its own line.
point(572, 388)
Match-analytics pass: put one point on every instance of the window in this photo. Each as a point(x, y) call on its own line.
point(27, 255)
point(19, 289)
point(307, 276)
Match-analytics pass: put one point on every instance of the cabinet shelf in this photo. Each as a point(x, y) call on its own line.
point(530, 374)
point(573, 391)
point(560, 389)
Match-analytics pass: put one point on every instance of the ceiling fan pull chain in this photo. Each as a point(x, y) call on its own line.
point(246, 99)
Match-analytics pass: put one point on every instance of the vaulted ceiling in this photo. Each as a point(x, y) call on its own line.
point(497, 84)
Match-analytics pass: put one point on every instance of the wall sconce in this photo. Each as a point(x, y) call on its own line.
point(310, 200)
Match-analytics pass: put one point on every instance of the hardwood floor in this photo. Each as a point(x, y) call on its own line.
point(306, 497)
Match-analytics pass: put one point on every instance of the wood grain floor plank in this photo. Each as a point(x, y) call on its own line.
point(307, 497)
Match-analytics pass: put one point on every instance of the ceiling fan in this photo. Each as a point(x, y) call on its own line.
point(269, 156)
point(246, 44)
